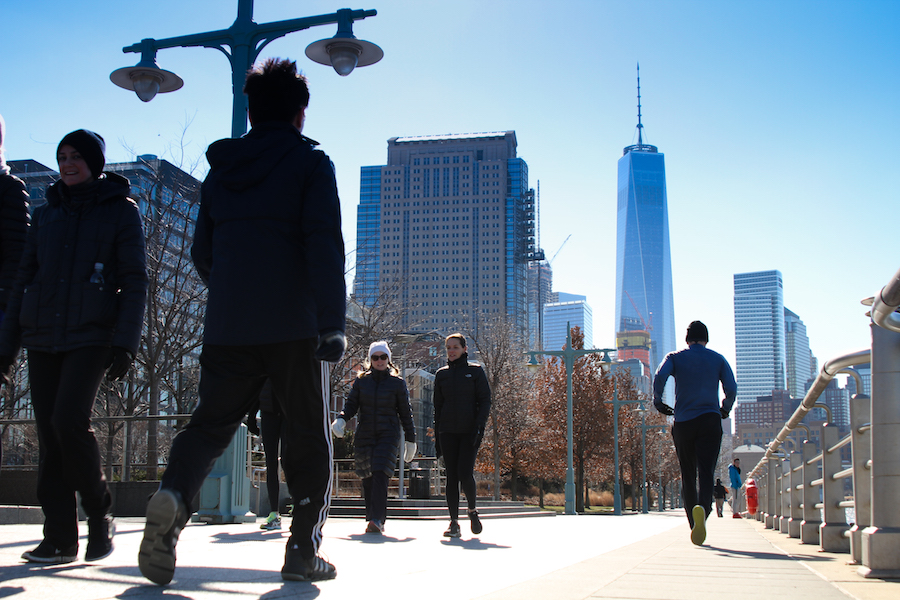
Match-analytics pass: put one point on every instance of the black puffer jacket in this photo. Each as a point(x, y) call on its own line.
point(380, 401)
point(462, 397)
point(268, 240)
point(54, 306)
point(13, 231)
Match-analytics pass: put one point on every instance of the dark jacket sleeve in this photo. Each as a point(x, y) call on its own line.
point(482, 399)
point(11, 330)
point(325, 246)
point(131, 277)
point(201, 250)
point(438, 401)
point(404, 411)
point(351, 404)
point(13, 231)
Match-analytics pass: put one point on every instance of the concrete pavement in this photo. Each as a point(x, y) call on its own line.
point(589, 556)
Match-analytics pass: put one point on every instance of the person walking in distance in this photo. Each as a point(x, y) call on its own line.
point(462, 404)
point(734, 474)
point(269, 429)
point(719, 491)
point(268, 245)
point(380, 402)
point(697, 431)
point(78, 309)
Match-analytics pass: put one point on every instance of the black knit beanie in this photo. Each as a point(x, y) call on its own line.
point(91, 147)
point(697, 332)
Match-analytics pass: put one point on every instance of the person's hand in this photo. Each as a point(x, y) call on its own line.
point(663, 408)
point(339, 427)
point(118, 363)
point(409, 451)
point(479, 435)
point(331, 346)
point(6, 363)
point(724, 413)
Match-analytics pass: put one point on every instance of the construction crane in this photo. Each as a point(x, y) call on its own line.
point(647, 327)
point(560, 248)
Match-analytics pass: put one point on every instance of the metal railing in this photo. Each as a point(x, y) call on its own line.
point(802, 493)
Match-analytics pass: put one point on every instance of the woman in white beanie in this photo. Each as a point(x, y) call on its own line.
point(380, 401)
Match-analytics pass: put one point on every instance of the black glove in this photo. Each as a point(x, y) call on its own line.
point(6, 363)
point(724, 413)
point(252, 423)
point(476, 440)
point(118, 363)
point(331, 346)
point(663, 408)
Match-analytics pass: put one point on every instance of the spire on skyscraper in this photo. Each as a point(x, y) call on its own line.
point(640, 146)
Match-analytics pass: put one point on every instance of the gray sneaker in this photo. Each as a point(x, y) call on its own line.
point(166, 516)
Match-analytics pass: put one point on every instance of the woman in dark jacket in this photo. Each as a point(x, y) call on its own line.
point(77, 307)
point(462, 404)
point(380, 401)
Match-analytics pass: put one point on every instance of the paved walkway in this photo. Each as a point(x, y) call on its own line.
point(632, 556)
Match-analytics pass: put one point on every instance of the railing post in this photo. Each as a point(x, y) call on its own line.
point(881, 540)
point(761, 479)
point(835, 517)
point(796, 480)
point(784, 513)
point(809, 529)
point(771, 492)
point(860, 414)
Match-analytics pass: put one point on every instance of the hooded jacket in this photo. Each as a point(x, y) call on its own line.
point(268, 242)
point(54, 306)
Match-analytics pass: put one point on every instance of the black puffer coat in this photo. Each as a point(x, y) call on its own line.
point(54, 306)
point(381, 403)
point(13, 231)
point(462, 397)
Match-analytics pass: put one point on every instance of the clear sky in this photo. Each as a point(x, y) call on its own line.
point(778, 120)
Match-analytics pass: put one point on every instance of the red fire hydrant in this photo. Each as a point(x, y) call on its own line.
point(752, 493)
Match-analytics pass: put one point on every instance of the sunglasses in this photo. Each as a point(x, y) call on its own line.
point(379, 357)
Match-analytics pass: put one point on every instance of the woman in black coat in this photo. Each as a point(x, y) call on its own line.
point(77, 307)
point(380, 401)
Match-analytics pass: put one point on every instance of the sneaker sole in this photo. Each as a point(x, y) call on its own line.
point(698, 533)
point(48, 560)
point(154, 559)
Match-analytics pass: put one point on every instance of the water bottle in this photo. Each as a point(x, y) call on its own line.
point(97, 275)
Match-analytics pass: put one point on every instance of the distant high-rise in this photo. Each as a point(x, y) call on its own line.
point(759, 333)
point(572, 309)
point(797, 354)
point(446, 229)
point(540, 284)
point(644, 298)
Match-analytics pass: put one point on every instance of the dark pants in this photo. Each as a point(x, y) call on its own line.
point(231, 378)
point(63, 389)
point(270, 424)
point(697, 445)
point(459, 460)
point(375, 491)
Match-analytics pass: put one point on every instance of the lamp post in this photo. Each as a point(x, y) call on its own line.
point(244, 40)
point(568, 354)
point(606, 365)
point(644, 427)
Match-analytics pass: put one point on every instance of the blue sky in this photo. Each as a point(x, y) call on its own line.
point(777, 120)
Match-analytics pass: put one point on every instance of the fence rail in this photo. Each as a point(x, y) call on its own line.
point(802, 493)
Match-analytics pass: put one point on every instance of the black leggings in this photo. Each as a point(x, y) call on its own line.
point(697, 445)
point(459, 452)
point(270, 428)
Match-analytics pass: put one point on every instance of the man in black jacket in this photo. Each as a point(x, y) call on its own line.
point(462, 404)
point(268, 245)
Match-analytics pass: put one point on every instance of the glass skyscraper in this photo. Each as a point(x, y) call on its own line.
point(448, 227)
point(799, 363)
point(644, 298)
point(759, 334)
